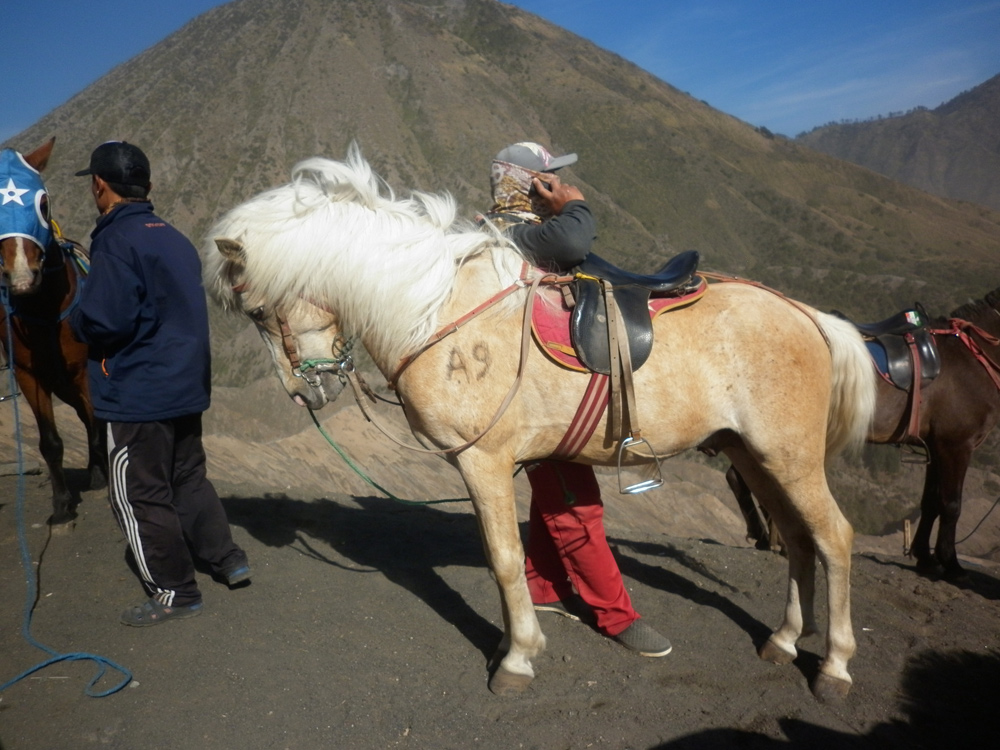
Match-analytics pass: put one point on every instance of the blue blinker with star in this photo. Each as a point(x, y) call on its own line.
point(24, 202)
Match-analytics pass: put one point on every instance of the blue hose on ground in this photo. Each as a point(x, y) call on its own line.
point(31, 581)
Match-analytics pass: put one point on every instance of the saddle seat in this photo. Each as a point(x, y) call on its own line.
point(893, 344)
point(632, 292)
point(674, 273)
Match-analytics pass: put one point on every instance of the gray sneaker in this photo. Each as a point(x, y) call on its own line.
point(642, 639)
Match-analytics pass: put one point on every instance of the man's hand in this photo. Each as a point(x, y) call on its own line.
point(555, 194)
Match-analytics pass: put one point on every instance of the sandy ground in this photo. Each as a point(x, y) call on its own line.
point(369, 624)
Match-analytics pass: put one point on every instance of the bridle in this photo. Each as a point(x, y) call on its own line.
point(341, 362)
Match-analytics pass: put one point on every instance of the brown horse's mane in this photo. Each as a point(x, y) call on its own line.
point(978, 309)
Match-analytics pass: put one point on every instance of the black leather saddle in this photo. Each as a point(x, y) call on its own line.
point(894, 342)
point(589, 321)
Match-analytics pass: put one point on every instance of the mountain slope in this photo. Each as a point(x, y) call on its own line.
point(953, 150)
point(431, 90)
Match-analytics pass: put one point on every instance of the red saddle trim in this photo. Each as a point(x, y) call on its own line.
point(588, 414)
point(550, 321)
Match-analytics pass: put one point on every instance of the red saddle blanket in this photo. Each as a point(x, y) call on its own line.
point(550, 321)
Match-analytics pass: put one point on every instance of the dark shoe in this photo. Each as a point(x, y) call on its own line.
point(237, 575)
point(151, 612)
point(573, 608)
point(642, 639)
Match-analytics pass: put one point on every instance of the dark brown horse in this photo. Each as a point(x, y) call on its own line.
point(39, 285)
point(957, 411)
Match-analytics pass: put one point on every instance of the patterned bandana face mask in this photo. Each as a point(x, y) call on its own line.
point(24, 202)
point(513, 193)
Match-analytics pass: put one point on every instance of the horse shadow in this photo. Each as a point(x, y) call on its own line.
point(974, 580)
point(404, 543)
point(949, 700)
point(658, 577)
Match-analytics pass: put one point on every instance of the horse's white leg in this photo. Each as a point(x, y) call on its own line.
point(830, 537)
point(811, 524)
point(492, 491)
point(799, 616)
point(834, 550)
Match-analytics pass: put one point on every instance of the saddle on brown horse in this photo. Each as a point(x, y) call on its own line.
point(902, 347)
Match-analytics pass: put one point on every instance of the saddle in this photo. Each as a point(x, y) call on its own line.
point(901, 346)
point(589, 331)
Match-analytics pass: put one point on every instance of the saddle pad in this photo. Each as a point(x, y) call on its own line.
point(550, 321)
point(879, 358)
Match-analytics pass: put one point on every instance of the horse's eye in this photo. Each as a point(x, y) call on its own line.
point(43, 207)
point(257, 314)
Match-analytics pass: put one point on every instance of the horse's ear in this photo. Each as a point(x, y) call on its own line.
point(39, 158)
point(231, 250)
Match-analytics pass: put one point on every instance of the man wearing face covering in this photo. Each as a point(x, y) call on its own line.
point(569, 565)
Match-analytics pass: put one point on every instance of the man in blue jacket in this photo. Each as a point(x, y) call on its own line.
point(144, 316)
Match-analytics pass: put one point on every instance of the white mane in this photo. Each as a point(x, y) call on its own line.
point(336, 234)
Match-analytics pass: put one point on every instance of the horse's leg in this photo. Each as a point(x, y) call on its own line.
point(744, 498)
point(799, 603)
point(952, 466)
point(930, 505)
point(811, 524)
point(50, 445)
point(97, 435)
point(492, 492)
point(832, 538)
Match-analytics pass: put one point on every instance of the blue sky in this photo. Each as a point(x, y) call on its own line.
point(789, 65)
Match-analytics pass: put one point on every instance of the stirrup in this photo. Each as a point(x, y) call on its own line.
point(650, 466)
point(914, 454)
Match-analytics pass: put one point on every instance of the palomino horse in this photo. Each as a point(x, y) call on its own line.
point(957, 411)
point(40, 284)
point(775, 386)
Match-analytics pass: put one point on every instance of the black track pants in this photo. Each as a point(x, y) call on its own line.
point(166, 506)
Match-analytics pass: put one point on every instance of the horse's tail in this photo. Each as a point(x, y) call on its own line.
point(852, 396)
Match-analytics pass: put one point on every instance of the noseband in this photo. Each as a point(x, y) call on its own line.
point(310, 369)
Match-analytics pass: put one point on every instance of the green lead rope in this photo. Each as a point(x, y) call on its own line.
point(371, 481)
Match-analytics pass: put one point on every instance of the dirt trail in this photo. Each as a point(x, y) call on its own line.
point(369, 625)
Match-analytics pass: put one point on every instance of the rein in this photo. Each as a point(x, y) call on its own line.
point(962, 329)
point(343, 364)
point(358, 386)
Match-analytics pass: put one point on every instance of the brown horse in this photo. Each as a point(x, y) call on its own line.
point(778, 387)
point(40, 284)
point(957, 411)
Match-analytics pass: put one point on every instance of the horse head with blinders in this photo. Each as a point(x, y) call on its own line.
point(40, 284)
point(309, 352)
point(25, 223)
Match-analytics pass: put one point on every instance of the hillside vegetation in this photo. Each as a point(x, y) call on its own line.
point(432, 89)
point(952, 150)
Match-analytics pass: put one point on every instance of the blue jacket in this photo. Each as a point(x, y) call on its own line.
point(144, 315)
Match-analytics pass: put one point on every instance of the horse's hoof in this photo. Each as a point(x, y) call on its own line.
point(507, 683)
point(773, 653)
point(928, 567)
point(957, 576)
point(829, 689)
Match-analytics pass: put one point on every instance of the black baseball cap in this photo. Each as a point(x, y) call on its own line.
point(119, 162)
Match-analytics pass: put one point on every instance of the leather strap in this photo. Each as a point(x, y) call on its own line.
point(623, 415)
point(356, 384)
